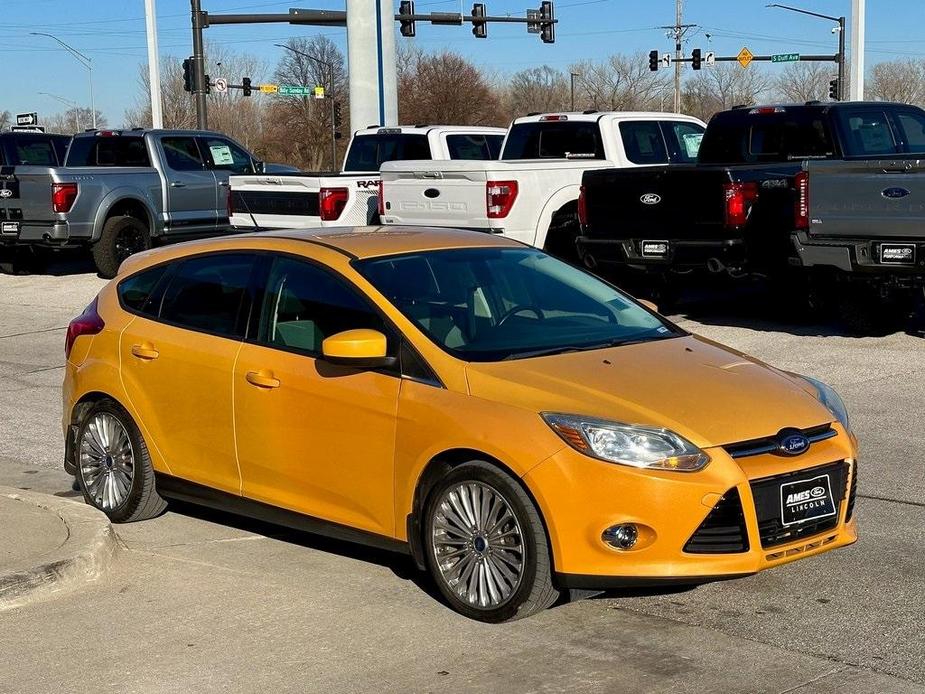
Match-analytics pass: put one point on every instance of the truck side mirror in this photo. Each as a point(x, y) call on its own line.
point(260, 167)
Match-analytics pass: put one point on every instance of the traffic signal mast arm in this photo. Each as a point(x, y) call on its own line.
point(541, 21)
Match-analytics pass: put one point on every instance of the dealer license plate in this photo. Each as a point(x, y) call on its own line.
point(897, 253)
point(806, 500)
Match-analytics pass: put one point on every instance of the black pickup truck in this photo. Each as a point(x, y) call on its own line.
point(832, 187)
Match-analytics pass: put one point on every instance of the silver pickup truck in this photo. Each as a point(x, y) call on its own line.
point(119, 190)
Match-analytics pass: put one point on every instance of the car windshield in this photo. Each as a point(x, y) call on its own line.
point(489, 304)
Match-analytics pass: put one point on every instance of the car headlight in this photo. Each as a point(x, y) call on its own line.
point(832, 400)
point(624, 444)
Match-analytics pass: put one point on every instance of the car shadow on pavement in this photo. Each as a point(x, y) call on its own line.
point(61, 262)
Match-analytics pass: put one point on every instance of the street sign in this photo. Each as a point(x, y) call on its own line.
point(785, 58)
point(294, 90)
point(221, 85)
point(27, 128)
point(27, 119)
point(710, 59)
point(745, 57)
point(666, 59)
point(319, 92)
point(269, 88)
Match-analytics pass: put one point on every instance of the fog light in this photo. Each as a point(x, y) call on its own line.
point(622, 536)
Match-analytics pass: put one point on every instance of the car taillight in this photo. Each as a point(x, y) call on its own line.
point(87, 323)
point(331, 202)
point(739, 199)
point(380, 204)
point(582, 207)
point(801, 204)
point(500, 197)
point(63, 196)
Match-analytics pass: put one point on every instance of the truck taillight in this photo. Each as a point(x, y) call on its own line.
point(582, 207)
point(331, 202)
point(380, 198)
point(63, 196)
point(87, 323)
point(801, 204)
point(739, 199)
point(500, 197)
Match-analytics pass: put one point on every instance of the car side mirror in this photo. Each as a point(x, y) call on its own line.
point(260, 167)
point(648, 304)
point(361, 349)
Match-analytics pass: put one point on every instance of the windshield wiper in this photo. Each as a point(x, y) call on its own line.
point(616, 342)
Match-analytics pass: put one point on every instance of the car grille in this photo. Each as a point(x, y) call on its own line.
point(723, 530)
point(769, 444)
point(853, 492)
point(766, 492)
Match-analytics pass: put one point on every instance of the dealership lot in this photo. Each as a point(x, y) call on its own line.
point(210, 602)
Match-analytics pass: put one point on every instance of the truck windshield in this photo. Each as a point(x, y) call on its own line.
point(489, 304)
point(369, 152)
point(742, 136)
point(554, 140)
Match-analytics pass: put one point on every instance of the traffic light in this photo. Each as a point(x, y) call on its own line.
point(206, 84)
point(406, 8)
point(696, 59)
point(653, 61)
point(479, 26)
point(338, 120)
point(548, 33)
point(188, 75)
point(833, 89)
point(246, 86)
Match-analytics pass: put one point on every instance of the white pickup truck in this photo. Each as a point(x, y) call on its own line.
point(531, 193)
point(349, 198)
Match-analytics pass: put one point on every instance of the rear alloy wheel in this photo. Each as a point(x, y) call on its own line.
point(113, 466)
point(121, 238)
point(486, 545)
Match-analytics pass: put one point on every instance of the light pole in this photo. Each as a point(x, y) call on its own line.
point(841, 41)
point(573, 76)
point(154, 66)
point(83, 60)
point(73, 104)
point(330, 67)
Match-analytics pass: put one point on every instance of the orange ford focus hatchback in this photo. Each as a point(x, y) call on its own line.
point(514, 424)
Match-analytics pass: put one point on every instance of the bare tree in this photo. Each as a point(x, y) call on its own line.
point(898, 80)
point(445, 88)
point(721, 87)
point(538, 89)
point(803, 81)
point(74, 120)
point(621, 83)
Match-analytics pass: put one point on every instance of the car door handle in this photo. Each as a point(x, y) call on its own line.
point(145, 351)
point(262, 379)
point(177, 184)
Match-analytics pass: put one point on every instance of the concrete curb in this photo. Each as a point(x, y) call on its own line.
point(84, 556)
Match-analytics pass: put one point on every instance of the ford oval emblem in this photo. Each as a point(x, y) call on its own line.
point(816, 492)
point(431, 193)
point(650, 199)
point(6, 193)
point(792, 442)
point(894, 193)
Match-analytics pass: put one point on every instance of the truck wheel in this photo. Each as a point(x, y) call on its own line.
point(561, 236)
point(121, 237)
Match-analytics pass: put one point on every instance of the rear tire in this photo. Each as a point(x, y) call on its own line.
point(562, 235)
point(492, 565)
point(114, 469)
point(121, 237)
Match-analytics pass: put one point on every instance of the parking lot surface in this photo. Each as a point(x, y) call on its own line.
point(201, 601)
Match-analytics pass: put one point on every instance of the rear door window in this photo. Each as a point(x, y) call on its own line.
point(643, 142)
point(369, 152)
point(182, 154)
point(683, 140)
point(210, 294)
point(554, 140)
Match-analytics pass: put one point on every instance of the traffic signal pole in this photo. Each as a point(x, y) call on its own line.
point(199, 67)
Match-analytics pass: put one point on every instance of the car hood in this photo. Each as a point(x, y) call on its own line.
point(710, 394)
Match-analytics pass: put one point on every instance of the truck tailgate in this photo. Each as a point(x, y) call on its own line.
point(879, 199)
point(25, 201)
point(417, 193)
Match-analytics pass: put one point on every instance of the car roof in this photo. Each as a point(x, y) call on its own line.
point(589, 116)
point(423, 129)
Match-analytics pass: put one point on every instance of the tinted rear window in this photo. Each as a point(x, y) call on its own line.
point(108, 151)
point(474, 146)
point(554, 140)
point(740, 137)
point(369, 152)
point(135, 291)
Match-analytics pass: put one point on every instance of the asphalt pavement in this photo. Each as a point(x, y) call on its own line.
point(203, 601)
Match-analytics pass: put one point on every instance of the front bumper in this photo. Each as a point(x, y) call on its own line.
point(580, 497)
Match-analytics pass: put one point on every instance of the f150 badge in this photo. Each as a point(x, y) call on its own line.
point(650, 199)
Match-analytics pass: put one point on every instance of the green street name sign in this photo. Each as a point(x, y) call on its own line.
point(290, 90)
point(785, 58)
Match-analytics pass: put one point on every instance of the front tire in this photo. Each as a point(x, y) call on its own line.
point(114, 469)
point(121, 237)
point(486, 545)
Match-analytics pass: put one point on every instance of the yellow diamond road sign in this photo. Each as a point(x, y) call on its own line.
point(745, 57)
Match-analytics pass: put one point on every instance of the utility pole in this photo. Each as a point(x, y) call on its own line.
point(858, 20)
point(678, 30)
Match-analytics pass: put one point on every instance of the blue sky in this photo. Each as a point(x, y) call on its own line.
point(112, 33)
